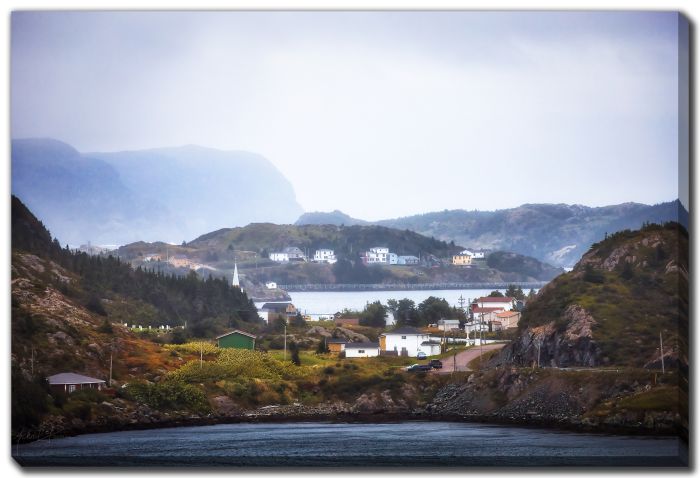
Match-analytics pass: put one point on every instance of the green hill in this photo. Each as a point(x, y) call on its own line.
point(611, 308)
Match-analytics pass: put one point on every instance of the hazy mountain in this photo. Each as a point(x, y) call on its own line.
point(554, 233)
point(171, 194)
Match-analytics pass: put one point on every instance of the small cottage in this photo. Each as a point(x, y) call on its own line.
point(236, 339)
point(70, 382)
point(361, 349)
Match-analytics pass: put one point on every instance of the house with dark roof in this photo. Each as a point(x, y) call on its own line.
point(70, 382)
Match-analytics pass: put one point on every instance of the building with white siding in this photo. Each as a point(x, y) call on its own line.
point(325, 255)
point(361, 349)
point(406, 341)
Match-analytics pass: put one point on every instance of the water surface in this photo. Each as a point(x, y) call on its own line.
point(411, 443)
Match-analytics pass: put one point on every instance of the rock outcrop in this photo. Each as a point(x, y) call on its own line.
point(548, 345)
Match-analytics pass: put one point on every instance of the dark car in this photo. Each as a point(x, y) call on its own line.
point(435, 363)
point(418, 368)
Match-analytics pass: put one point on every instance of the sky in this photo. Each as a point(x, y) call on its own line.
point(377, 114)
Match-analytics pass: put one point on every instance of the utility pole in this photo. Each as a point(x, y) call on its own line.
point(285, 342)
point(201, 356)
point(661, 342)
point(110, 368)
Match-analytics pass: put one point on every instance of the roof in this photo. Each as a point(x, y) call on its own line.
point(337, 341)
point(236, 331)
point(69, 378)
point(430, 343)
point(405, 331)
point(507, 313)
point(275, 305)
point(495, 299)
point(448, 321)
point(361, 345)
point(486, 310)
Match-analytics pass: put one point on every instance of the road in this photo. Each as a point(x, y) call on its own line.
point(463, 358)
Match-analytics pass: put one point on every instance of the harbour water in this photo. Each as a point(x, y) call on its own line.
point(412, 443)
point(324, 304)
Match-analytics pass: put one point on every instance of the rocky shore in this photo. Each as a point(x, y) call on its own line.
point(473, 401)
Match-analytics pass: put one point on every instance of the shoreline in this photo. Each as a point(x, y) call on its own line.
point(378, 417)
point(401, 286)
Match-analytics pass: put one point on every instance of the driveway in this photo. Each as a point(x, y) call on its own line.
point(464, 357)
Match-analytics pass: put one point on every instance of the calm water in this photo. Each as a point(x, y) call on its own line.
point(334, 444)
point(328, 303)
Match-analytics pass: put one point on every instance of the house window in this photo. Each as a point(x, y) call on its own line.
point(403, 337)
point(360, 351)
point(71, 388)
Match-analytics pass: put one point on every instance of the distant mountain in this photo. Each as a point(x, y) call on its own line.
point(170, 194)
point(335, 218)
point(557, 234)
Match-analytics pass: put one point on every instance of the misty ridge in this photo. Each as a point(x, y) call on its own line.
point(181, 193)
point(168, 194)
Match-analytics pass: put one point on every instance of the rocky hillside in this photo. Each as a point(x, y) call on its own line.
point(610, 310)
point(172, 194)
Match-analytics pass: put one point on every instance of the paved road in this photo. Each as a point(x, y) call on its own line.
point(463, 358)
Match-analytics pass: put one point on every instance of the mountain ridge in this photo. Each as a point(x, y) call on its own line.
point(171, 193)
point(553, 233)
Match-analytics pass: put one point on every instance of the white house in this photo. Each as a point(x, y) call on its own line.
point(406, 341)
point(485, 314)
point(475, 255)
point(361, 349)
point(288, 254)
point(448, 324)
point(325, 255)
point(407, 260)
point(279, 257)
point(393, 258)
point(505, 303)
point(271, 285)
point(377, 255)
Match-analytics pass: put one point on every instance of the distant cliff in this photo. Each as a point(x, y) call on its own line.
point(171, 194)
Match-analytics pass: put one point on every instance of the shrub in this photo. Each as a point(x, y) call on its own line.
point(169, 394)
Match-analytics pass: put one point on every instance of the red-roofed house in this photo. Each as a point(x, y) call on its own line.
point(509, 319)
point(505, 303)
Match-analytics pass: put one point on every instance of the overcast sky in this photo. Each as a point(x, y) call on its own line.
point(377, 114)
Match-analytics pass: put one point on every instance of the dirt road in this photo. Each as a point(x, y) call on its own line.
point(463, 358)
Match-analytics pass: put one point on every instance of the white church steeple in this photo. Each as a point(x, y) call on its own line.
point(235, 282)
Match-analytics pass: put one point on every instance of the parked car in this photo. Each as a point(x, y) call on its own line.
point(418, 368)
point(435, 363)
point(421, 356)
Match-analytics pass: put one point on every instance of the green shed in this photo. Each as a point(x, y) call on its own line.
point(236, 339)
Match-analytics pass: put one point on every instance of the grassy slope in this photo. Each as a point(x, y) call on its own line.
point(630, 308)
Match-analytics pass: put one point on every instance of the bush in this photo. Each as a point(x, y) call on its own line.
point(169, 394)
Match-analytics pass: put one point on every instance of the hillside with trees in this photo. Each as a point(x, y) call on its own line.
point(612, 308)
point(557, 234)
